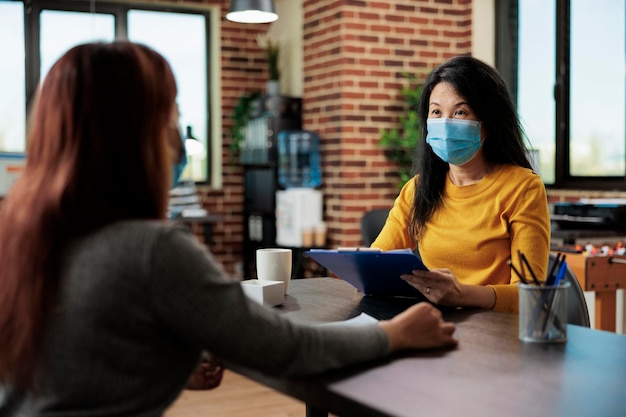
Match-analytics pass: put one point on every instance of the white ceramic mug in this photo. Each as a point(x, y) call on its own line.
point(274, 264)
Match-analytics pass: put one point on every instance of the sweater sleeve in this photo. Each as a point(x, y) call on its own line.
point(530, 234)
point(395, 234)
point(194, 298)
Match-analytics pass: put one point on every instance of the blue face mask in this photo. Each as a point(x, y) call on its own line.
point(178, 168)
point(456, 141)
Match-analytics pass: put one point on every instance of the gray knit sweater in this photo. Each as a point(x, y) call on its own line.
point(139, 301)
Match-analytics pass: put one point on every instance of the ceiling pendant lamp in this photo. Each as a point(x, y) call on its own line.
point(252, 11)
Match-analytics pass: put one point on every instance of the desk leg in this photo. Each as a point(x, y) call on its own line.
point(605, 310)
point(207, 234)
point(315, 412)
point(297, 271)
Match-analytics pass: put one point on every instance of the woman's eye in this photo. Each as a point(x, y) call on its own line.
point(435, 112)
point(460, 113)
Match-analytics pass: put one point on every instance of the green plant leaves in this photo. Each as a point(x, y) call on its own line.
point(241, 117)
point(400, 143)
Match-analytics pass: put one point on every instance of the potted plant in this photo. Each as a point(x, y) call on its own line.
point(400, 143)
point(271, 47)
point(241, 117)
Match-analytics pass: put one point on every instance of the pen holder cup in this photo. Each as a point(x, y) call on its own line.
point(543, 313)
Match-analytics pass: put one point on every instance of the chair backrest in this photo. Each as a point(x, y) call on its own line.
point(372, 223)
point(577, 312)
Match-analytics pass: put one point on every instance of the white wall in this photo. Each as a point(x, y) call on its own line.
point(289, 28)
point(484, 31)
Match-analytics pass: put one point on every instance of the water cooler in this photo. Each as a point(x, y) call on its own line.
point(259, 158)
point(299, 205)
point(299, 221)
point(299, 159)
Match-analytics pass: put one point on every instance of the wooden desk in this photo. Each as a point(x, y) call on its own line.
point(490, 373)
point(604, 277)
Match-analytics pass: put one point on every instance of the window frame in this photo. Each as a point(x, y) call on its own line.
point(506, 61)
point(32, 10)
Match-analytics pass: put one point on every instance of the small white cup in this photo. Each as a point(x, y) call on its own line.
point(274, 264)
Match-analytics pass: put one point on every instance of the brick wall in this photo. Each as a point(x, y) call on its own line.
point(354, 55)
point(355, 52)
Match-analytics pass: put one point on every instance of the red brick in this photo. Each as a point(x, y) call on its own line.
point(335, 85)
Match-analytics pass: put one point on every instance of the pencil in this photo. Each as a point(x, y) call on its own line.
point(554, 266)
point(523, 274)
point(520, 276)
point(532, 273)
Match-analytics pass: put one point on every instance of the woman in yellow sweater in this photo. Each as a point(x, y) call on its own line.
point(475, 201)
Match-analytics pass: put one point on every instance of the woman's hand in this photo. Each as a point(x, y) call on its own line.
point(207, 375)
point(440, 286)
point(419, 327)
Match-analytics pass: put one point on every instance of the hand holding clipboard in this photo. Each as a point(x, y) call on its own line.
point(372, 271)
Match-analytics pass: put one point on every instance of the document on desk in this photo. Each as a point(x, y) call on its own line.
point(371, 271)
point(362, 319)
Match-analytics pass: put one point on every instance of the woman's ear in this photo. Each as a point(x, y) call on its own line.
point(175, 140)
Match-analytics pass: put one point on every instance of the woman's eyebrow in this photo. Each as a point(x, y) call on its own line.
point(460, 103)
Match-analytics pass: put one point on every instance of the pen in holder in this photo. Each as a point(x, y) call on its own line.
point(543, 312)
point(542, 305)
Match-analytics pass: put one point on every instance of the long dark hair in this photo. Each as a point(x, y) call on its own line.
point(97, 153)
point(485, 92)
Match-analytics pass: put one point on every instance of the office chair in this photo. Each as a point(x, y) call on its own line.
point(577, 312)
point(372, 223)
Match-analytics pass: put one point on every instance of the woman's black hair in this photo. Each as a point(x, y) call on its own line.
point(484, 90)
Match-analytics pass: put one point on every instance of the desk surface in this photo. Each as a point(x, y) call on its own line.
point(490, 373)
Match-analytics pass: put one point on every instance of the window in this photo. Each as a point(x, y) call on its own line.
point(181, 38)
point(181, 35)
point(536, 82)
point(568, 71)
point(12, 78)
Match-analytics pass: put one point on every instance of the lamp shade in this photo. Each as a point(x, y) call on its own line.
point(192, 145)
point(252, 11)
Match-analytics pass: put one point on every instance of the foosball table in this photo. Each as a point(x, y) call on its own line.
point(603, 275)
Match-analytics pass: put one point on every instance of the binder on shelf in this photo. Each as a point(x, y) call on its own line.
point(372, 272)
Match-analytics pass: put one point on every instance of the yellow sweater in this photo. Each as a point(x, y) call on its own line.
point(477, 228)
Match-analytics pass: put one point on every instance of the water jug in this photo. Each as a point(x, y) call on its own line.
point(299, 159)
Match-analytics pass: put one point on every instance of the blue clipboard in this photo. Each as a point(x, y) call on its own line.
point(372, 272)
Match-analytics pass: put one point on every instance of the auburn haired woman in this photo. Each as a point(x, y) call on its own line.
point(106, 307)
